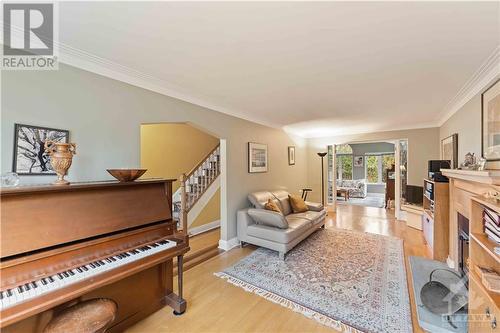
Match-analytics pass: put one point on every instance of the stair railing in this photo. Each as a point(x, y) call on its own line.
point(195, 183)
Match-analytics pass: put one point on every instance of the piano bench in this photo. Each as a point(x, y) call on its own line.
point(91, 316)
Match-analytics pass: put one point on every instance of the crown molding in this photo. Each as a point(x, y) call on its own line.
point(92, 63)
point(487, 72)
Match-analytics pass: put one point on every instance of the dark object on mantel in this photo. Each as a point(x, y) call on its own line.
point(434, 170)
point(126, 175)
point(55, 232)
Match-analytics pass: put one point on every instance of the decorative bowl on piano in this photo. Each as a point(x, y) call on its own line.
point(126, 175)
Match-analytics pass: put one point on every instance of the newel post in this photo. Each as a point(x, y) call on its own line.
point(183, 213)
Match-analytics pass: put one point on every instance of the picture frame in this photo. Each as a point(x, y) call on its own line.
point(257, 157)
point(449, 150)
point(30, 158)
point(490, 123)
point(291, 155)
point(359, 161)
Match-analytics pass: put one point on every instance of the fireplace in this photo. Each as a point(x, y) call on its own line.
point(463, 244)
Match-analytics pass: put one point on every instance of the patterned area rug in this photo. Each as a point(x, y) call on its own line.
point(351, 281)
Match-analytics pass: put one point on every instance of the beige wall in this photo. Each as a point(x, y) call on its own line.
point(104, 117)
point(466, 122)
point(421, 148)
point(210, 213)
point(168, 150)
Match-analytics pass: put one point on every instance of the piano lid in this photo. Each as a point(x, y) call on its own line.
point(37, 217)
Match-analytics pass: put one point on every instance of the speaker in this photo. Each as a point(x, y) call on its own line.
point(437, 165)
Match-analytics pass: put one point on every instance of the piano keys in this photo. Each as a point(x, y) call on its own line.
point(109, 239)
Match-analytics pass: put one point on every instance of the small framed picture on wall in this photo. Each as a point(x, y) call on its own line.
point(358, 161)
point(30, 157)
point(257, 157)
point(291, 155)
point(449, 150)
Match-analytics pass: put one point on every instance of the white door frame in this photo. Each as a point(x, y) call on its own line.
point(399, 214)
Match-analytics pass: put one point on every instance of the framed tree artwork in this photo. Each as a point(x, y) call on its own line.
point(257, 157)
point(29, 152)
point(449, 150)
point(490, 123)
point(291, 155)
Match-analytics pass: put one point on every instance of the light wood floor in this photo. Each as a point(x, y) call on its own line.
point(217, 306)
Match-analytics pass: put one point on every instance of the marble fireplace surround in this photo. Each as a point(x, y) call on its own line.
point(465, 184)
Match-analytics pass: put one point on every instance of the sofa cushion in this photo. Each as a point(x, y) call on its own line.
point(296, 227)
point(268, 218)
point(310, 215)
point(259, 199)
point(282, 197)
point(298, 204)
point(272, 205)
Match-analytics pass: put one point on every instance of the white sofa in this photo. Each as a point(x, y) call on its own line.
point(276, 231)
point(357, 188)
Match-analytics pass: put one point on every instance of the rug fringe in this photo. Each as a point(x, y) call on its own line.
point(319, 317)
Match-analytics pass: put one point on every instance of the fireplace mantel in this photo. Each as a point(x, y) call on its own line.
point(491, 177)
point(465, 184)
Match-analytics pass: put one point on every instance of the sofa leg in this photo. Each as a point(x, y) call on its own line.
point(242, 244)
point(282, 255)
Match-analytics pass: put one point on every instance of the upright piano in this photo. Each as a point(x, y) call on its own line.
point(61, 245)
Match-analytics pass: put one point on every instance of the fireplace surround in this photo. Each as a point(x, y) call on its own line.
point(465, 184)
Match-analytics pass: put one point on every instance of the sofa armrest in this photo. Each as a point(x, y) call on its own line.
point(243, 220)
point(314, 206)
point(268, 217)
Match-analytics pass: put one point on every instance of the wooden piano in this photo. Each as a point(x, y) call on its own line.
point(61, 245)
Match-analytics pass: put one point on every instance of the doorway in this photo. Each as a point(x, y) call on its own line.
point(369, 174)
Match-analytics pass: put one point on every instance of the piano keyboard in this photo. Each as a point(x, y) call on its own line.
point(33, 289)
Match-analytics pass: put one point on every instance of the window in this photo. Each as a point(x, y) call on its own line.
point(375, 167)
point(387, 162)
point(344, 162)
point(344, 167)
point(372, 168)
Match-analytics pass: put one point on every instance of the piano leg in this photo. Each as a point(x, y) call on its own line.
point(176, 301)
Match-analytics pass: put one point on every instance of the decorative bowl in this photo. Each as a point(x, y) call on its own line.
point(126, 175)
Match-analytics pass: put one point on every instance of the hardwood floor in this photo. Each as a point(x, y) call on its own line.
point(217, 306)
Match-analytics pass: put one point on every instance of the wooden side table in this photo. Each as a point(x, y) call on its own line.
point(343, 192)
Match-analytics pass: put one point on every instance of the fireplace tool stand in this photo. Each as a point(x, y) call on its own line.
point(444, 300)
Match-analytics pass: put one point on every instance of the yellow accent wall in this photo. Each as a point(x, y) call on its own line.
point(170, 149)
point(210, 213)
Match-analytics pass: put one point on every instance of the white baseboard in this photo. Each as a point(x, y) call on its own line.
point(203, 228)
point(450, 263)
point(229, 244)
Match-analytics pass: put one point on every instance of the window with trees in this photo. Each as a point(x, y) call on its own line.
point(344, 161)
point(375, 166)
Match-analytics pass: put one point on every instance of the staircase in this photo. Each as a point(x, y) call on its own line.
point(194, 185)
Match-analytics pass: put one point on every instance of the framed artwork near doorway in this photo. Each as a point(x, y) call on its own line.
point(257, 157)
point(291, 155)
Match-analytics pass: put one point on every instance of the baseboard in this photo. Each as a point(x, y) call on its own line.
point(229, 244)
point(203, 228)
point(450, 263)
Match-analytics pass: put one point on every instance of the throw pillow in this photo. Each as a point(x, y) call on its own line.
point(268, 218)
point(298, 205)
point(271, 205)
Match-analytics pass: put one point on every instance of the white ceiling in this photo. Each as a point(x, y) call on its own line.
point(315, 69)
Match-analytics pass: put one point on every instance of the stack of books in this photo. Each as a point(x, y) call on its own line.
point(491, 222)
